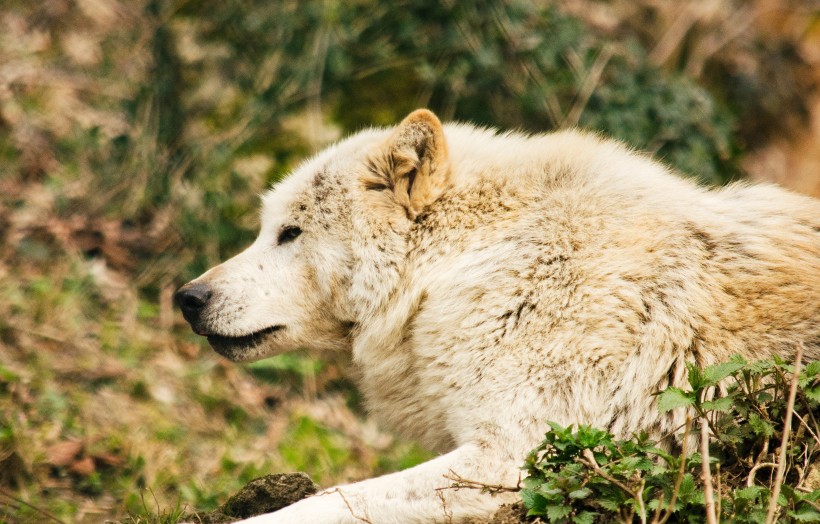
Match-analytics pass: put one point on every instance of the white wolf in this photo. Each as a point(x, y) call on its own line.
point(487, 283)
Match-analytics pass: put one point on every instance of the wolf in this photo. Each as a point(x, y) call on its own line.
point(486, 283)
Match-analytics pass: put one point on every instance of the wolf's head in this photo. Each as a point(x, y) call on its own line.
point(330, 248)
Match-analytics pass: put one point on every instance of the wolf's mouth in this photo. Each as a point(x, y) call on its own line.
point(237, 348)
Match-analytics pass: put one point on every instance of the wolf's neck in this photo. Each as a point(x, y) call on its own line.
point(383, 295)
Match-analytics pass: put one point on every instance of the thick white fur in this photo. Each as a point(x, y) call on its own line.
point(556, 277)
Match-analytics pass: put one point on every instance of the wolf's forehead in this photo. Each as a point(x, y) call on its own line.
point(320, 178)
point(318, 196)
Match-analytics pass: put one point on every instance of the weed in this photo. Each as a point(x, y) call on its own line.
point(584, 474)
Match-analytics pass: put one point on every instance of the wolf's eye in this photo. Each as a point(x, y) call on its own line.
point(289, 233)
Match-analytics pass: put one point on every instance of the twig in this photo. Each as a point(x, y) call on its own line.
point(591, 462)
point(706, 48)
point(751, 478)
point(461, 482)
point(349, 507)
point(32, 506)
point(764, 452)
point(812, 504)
point(781, 460)
point(674, 35)
point(708, 491)
point(811, 414)
point(719, 497)
point(448, 514)
point(808, 428)
point(681, 472)
point(587, 88)
point(657, 515)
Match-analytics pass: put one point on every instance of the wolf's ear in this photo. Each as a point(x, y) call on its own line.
point(412, 163)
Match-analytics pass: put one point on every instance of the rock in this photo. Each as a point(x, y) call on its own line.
point(263, 495)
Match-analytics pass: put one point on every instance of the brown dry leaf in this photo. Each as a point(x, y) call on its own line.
point(108, 459)
point(63, 453)
point(85, 466)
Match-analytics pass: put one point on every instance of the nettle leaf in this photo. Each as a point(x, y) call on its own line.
point(813, 393)
point(687, 488)
point(760, 367)
point(790, 493)
point(609, 504)
point(589, 437)
point(548, 491)
point(695, 376)
point(723, 404)
point(813, 368)
point(805, 514)
point(812, 496)
point(750, 493)
point(760, 426)
point(585, 517)
point(580, 493)
point(558, 511)
point(764, 397)
point(672, 398)
point(635, 463)
point(531, 483)
point(714, 374)
point(534, 502)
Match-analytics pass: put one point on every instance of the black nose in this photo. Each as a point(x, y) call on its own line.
point(192, 299)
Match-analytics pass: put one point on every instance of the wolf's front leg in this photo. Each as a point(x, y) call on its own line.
point(422, 494)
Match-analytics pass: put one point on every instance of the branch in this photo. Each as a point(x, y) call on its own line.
point(708, 490)
point(681, 472)
point(349, 507)
point(591, 81)
point(750, 479)
point(460, 482)
point(591, 462)
point(787, 424)
point(32, 506)
point(448, 514)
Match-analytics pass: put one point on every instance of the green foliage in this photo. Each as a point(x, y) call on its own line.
point(521, 65)
point(152, 513)
point(584, 474)
point(286, 368)
point(308, 446)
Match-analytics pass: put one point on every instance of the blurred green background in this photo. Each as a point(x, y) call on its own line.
point(135, 137)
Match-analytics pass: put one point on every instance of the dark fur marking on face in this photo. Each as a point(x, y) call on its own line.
point(319, 178)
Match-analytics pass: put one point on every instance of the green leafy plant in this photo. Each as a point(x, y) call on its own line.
point(585, 474)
